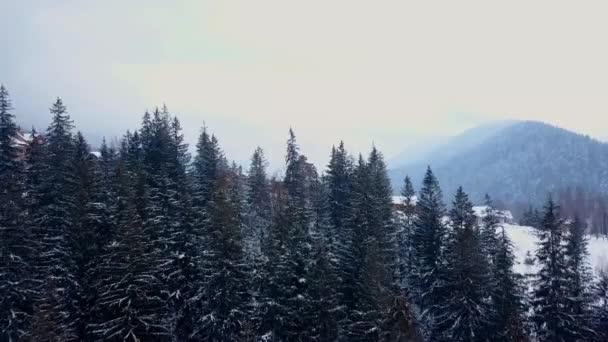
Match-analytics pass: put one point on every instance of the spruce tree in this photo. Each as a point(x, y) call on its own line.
point(508, 321)
point(56, 230)
point(463, 312)
point(372, 268)
point(298, 221)
point(578, 278)
point(489, 230)
point(600, 307)
point(338, 181)
point(257, 212)
point(92, 225)
point(404, 234)
point(16, 287)
point(225, 269)
point(549, 303)
point(130, 305)
point(428, 235)
point(274, 312)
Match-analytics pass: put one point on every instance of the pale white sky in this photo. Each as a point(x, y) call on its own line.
point(387, 72)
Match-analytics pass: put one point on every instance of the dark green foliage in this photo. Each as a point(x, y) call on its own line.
point(16, 257)
point(462, 312)
point(600, 307)
point(372, 252)
point(225, 271)
point(142, 245)
point(578, 278)
point(428, 234)
point(405, 219)
point(130, 305)
point(550, 317)
point(55, 229)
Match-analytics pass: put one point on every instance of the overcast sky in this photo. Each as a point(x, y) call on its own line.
point(383, 72)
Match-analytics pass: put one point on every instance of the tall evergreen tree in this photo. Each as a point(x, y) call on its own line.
point(428, 235)
point(298, 221)
point(276, 290)
point(508, 321)
point(600, 307)
point(56, 230)
point(92, 226)
point(130, 305)
point(258, 204)
point(578, 278)
point(225, 269)
point(489, 230)
point(16, 296)
point(462, 314)
point(338, 181)
point(372, 261)
point(549, 303)
point(404, 235)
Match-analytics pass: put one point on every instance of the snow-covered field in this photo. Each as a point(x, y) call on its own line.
point(524, 240)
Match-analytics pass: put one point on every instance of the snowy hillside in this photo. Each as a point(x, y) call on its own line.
point(524, 241)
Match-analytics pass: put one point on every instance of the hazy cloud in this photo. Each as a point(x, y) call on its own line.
point(383, 72)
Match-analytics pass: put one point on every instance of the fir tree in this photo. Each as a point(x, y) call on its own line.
point(56, 229)
point(15, 257)
point(549, 303)
point(462, 314)
point(274, 312)
point(404, 235)
point(600, 307)
point(428, 235)
point(225, 270)
point(372, 254)
point(92, 225)
point(338, 181)
point(258, 204)
point(508, 321)
point(130, 305)
point(578, 278)
point(489, 230)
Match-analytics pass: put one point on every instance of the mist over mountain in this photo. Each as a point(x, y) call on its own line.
point(515, 162)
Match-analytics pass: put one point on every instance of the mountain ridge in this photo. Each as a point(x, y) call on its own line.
point(517, 162)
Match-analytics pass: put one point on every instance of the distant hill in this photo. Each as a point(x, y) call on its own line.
point(515, 162)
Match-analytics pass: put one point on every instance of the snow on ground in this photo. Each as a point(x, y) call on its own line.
point(524, 240)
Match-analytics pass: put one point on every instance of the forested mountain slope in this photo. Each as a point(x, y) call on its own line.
point(519, 162)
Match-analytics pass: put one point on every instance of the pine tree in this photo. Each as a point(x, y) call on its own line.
point(462, 314)
point(428, 235)
point(507, 302)
point(206, 167)
point(258, 205)
point(298, 221)
point(276, 289)
point(404, 235)
point(225, 269)
point(92, 226)
point(130, 305)
point(56, 229)
point(489, 230)
point(15, 257)
point(578, 278)
point(373, 254)
point(600, 307)
point(549, 303)
point(338, 181)
point(323, 267)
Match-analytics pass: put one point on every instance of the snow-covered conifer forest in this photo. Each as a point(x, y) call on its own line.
point(143, 241)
